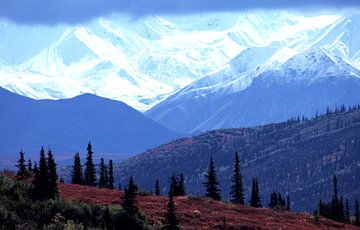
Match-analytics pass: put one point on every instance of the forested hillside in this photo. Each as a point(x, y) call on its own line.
point(297, 158)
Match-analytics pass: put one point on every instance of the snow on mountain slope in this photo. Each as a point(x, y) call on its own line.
point(140, 62)
point(308, 82)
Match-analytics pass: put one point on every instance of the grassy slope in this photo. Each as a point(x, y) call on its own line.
point(203, 213)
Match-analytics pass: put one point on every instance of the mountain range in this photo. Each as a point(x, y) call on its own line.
point(67, 125)
point(141, 62)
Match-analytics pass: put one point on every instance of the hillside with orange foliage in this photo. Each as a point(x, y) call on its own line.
point(200, 213)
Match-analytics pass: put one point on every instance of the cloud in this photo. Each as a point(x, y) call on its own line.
point(77, 11)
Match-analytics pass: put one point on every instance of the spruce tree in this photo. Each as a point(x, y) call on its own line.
point(211, 183)
point(288, 203)
point(41, 182)
point(29, 166)
point(237, 190)
point(129, 199)
point(255, 200)
point(77, 174)
point(52, 176)
point(173, 185)
point(22, 173)
point(157, 188)
point(347, 211)
point(171, 221)
point(102, 170)
point(357, 213)
point(90, 174)
point(181, 186)
point(111, 175)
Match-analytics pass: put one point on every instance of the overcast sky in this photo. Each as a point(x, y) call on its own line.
point(77, 11)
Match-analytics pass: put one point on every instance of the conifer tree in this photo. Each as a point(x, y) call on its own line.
point(119, 187)
point(181, 186)
point(52, 176)
point(237, 190)
point(171, 221)
point(22, 173)
point(108, 221)
point(129, 199)
point(77, 174)
point(211, 183)
point(347, 211)
point(90, 174)
point(288, 203)
point(40, 182)
point(255, 200)
point(173, 185)
point(357, 213)
point(102, 170)
point(111, 175)
point(157, 188)
point(29, 166)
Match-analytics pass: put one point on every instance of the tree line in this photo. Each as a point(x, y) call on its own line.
point(45, 181)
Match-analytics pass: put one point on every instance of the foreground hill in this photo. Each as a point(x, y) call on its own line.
point(67, 126)
point(196, 213)
point(297, 158)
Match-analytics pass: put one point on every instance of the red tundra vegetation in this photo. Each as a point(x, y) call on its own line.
point(200, 213)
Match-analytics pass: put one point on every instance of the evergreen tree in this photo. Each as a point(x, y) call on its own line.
point(173, 185)
point(357, 213)
point(255, 200)
point(171, 221)
point(61, 180)
point(102, 170)
point(131, 219)
point(341, 214)
point(77, 175)
point(22, 173)
point(129, 199)
point(90, 174)
point(108, 220)
point(157, 188)
point(52, 176)
point(111, 175)
point(29, 166)
point(288, 203)
point(211, 183)
point(40, 182)
point(347, 211)
point(181, 186)
point(119, 187)
point(237, 190)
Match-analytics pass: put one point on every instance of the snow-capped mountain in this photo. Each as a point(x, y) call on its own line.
point(143, 61)
point(306, 83)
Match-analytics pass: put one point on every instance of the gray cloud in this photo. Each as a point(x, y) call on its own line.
point(77, 11)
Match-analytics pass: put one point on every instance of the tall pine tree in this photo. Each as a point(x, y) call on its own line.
point(255, 200)
point(40, 183)
point(237, 190)
point(90, 174)
point(129, 199)
point(157, 188)
point(52, 176)
point(111, 175)
point(181, 186)
point(102, 170)
point(77, 174)
point(211, 183)
point(22, 173)
point(171, 221)
point(357, 213)
point(29, 166)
